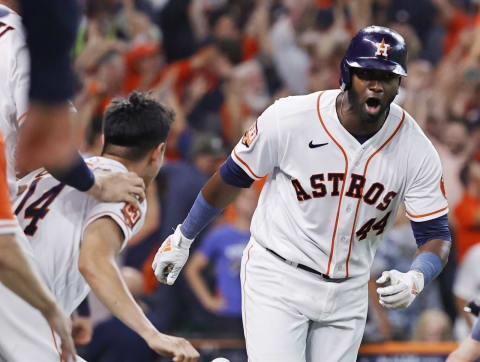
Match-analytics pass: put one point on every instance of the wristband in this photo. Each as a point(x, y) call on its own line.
point(429, 264)
point(78, 176)
point(201, 214)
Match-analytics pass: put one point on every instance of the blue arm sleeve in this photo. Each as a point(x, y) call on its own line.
point(429, 264)
point(51, 29)
point(431, 229)
point(201, 214)
point(78, 176)
point(233, 174)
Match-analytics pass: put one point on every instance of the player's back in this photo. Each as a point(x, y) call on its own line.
point(14, 72)
point(54, 217)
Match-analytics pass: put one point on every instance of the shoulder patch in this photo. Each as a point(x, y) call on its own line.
point(250, 135)
point(131, 215)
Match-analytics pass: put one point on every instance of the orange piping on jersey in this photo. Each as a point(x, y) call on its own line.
point(56, 346)
point(430, 213)
point(22, 116)
point(343, 185)
point(243, 294)
point(361, 191)
point(245, 164)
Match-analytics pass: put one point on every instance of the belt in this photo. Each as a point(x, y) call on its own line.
point(307, 268)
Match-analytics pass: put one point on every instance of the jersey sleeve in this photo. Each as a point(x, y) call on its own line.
point(425, 197)
point(257, 151)
point(125, 216)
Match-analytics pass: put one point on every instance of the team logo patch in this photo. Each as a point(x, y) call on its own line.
point(250, 135)
point(382, 48)
point(442, 187)
point(131, 215)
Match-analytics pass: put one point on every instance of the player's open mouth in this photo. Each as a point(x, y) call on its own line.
point(372, 105)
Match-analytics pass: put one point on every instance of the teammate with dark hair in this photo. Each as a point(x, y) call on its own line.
point(75, 238)
point(339, 163)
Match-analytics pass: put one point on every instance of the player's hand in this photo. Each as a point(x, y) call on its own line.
point(179, 348)
point(61, 324)
point(401, 288)
point(118, 187)
point(82, 330)
point(171, 257)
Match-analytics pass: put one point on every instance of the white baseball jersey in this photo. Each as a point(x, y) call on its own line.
point(15, 75)
point(329, 200)
point(54, 217)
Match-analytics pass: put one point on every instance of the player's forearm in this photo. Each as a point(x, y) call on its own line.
point(17, 273)
point(437, 246)
point(209, 204)
point(218, 193)
point(106, 282)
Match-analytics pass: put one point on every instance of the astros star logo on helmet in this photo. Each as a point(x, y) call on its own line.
point(382, 48)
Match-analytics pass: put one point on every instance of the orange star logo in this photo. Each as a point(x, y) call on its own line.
point(382, 48)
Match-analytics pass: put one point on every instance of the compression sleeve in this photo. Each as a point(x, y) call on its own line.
point(201, 214)
point(431, 229)
point(234, 175)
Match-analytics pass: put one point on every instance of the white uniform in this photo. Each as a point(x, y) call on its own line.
point(15, 71)
point(54, 217)
point(327, 203)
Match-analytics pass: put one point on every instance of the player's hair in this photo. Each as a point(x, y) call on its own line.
point(137, 125)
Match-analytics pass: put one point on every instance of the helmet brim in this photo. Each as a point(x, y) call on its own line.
point(378, 64)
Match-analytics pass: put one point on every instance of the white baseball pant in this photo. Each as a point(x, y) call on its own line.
point(292, 315)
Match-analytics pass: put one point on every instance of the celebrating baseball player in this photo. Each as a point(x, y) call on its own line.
point(339, 164)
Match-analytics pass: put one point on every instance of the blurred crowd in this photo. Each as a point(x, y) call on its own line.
point(218, 64)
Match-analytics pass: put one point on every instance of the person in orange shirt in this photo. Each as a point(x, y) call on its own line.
point(467, 212)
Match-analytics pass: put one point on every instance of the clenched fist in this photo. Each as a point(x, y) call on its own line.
point(171, 257)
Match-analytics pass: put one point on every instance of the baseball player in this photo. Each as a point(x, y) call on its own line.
point(75, 237)
point(339, 163)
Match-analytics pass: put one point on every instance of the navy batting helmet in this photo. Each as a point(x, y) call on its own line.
point(374, 47)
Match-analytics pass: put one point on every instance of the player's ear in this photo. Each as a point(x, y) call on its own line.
point(158, 151)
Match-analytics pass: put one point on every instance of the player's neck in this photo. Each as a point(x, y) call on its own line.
point(352, 122)
point(133, 166)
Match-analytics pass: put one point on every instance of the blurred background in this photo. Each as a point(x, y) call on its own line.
point(218, 64)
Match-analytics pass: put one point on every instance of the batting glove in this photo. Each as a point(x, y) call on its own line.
point(401, 290)
point(171, 257)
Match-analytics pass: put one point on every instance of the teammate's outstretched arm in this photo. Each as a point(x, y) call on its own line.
point(17, 274)
point(101, 243)
point(173, 253)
